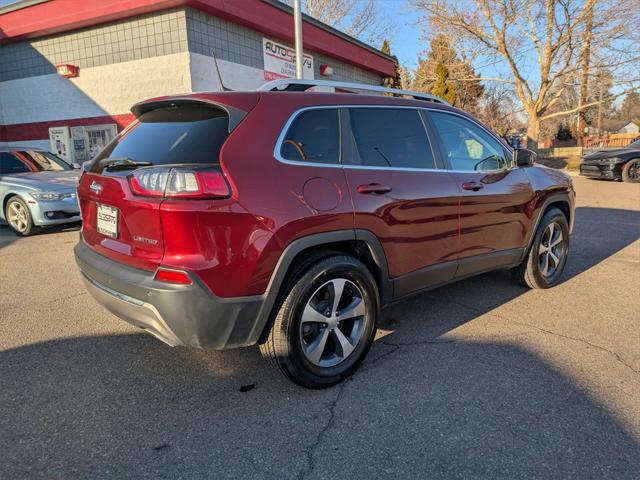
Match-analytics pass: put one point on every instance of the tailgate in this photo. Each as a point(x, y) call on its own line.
point(134, 237)
point(121, 219)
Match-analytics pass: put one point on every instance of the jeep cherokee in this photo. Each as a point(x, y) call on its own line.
point(286, 217)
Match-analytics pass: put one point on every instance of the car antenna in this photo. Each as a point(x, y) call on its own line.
point(215, 62)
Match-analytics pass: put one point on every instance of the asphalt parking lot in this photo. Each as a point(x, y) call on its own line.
point(478, 379)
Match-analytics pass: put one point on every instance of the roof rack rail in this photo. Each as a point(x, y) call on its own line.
point(301, 85)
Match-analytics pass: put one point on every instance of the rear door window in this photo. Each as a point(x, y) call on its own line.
point(187, 134)
point(389, 137)
point(9, 164)
point(314, 136)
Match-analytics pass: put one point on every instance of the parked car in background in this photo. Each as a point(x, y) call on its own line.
point(286, 218)
point(37, 189)
point(616, 164)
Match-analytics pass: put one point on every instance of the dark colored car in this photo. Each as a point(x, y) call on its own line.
point(618, 164)
point(288, 218)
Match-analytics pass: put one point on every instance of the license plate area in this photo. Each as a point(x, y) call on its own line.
point(107, 220)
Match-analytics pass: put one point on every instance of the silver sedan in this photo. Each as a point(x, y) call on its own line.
point(37, 189)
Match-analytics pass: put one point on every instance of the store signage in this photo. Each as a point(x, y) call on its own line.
point(280, 61)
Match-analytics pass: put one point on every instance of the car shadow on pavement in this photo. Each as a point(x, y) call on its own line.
point(8, 237)
point(423, 405)
point(127, 406)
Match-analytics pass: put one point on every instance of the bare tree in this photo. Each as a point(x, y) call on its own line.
point(498, 109)
point(539, 43)
point(361, 19)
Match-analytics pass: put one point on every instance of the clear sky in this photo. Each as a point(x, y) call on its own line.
point(406, 43)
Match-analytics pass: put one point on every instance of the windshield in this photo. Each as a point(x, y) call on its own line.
point(44, 161)
point(170, 136)
point(635, 144)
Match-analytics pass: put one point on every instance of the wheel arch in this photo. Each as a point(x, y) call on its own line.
point(361, 244)
point(5, 200)
point(562, 202)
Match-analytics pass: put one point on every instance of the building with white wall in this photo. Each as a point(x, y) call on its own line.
point(71, 69)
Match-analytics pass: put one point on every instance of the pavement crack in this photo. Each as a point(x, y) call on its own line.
point(310, 450)
point(616, 355)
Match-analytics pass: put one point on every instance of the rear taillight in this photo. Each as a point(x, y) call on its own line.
point(179, 182)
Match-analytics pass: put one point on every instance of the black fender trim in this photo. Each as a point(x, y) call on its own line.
point(556, 198)
point(317, 240)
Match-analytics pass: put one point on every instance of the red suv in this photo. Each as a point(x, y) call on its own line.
point(287, 218)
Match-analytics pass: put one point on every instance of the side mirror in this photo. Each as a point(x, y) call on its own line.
point(523, 157)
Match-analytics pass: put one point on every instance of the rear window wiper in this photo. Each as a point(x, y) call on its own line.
point(122, 163)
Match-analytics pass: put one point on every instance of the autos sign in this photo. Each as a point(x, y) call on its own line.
point(280, 61)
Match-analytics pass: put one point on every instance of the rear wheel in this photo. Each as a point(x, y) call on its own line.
point(545, 261)
point(631, 171)
point(325, 322)
point(18, 217)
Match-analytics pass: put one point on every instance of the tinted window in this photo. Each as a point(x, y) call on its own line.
point(45, 161)
point(387, 137)
point(467, 146)
point(9, 164)
point(172, 135)
point(313, 137)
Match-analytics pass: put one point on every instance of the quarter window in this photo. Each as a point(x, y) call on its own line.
point(467, 146)
point(388, 137)
point(313, 137)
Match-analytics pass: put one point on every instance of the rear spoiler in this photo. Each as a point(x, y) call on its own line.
point(235, 114)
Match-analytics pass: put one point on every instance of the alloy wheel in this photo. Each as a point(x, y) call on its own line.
point(332, 322)
point(551, 250)
point(18, 217)
point(634, 171)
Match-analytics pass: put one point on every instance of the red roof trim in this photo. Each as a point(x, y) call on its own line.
point(58, 16)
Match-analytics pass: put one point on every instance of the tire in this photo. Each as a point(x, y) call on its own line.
point(631, 171)
point(539, 269)
point(307, 345)
point(19, 218)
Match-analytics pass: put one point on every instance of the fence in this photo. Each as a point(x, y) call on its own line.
point(615, 140)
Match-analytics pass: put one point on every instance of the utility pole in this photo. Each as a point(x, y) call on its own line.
point(584, 81)
point(297, 23)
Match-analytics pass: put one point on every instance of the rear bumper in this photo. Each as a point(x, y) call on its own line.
point(185, 315)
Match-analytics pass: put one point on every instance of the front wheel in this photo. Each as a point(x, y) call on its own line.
point(631, 171)
point(19, 217)
point(545, 261)
point(325, 322)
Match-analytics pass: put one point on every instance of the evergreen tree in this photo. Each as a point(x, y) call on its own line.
point(630, 109)
point(442, 87)
point(468, 89)
point(395, 81)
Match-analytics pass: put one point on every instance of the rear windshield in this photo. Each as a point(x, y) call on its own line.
point(173, 135)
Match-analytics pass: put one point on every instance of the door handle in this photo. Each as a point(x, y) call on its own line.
point(374, 188)
point(473, 186)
